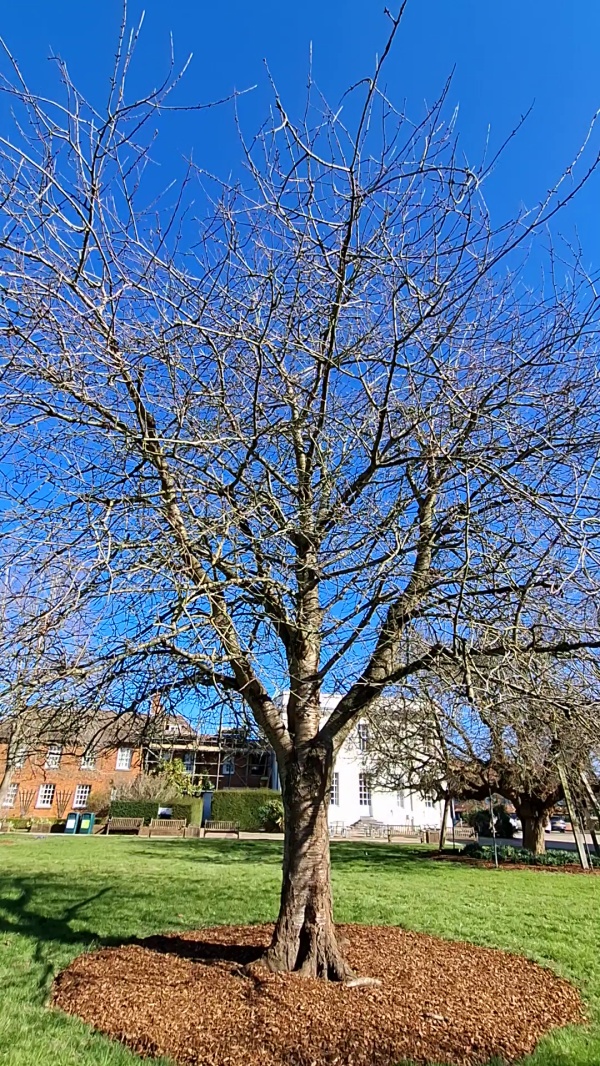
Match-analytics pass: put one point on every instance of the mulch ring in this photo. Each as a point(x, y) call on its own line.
point(187, 997)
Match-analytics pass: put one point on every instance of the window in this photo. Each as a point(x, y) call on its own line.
point(363, 736)
point(429, 800)
point(364, 790)
point(400, 798)
point(335, 790)
point(124, 759)
point(88, 761)
point(19, 757)
point(53, 757)
point(259, 767)
point(189, 761)
point(11, 796)
point(228, 767)
point(82, 793)
point(45, 795)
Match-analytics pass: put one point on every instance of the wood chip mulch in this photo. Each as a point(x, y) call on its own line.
point(187, 997)
point(489, 864)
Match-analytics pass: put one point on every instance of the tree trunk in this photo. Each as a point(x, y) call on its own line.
point(444, 825)
point(5, 782)
point(533, 820)
point(304, 939)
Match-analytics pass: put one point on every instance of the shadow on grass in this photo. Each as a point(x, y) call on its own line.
point(18, 915)
point(361, 854)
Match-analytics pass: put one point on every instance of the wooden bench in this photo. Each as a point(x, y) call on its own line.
point(461, 832)
point(222, 827)
point(171, 827)
point(404, 832)
point(124, 825)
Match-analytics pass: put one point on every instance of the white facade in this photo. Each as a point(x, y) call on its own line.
point(353, 796)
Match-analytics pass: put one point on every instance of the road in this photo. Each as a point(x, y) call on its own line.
point(560, 841)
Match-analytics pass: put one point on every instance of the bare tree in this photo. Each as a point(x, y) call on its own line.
point(511, 727)
point(287, 425)
point(41, 650)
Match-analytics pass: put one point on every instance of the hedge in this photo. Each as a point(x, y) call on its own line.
point(145, 809)
point(242, 805)
point(188, 808)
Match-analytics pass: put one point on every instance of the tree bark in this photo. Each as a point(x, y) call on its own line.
point(5, 783)
point(304, 939)
point(533, 819)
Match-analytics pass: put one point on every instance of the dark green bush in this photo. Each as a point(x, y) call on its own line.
point(553, 857)
point(187, 808)
point(145, 809)
point(271, 816)
point(242, 805)
point(481, 821)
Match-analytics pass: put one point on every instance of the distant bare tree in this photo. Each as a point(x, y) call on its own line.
point(506, 726)
point(42, 650)
point(289, 426)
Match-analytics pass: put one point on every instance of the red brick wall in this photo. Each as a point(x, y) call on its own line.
point(65, 779)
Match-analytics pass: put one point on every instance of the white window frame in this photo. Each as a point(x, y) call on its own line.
point(77, 804)
point(18, 760)
point(400, 798)
point(365, 790)
point(362, 733)
point(228, 767)
point(124, 755)
point(429, 801)
point(335, 790)
point(53, 757)
point(45, 796)
point(88, 761)
point(10, 799)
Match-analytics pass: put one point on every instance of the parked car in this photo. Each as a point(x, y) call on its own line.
point(558, 825)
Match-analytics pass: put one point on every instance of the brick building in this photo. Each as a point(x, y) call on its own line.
point(48, 779)
point(228, 759)
point(51, 777)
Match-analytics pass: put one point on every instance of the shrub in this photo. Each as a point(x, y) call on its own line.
point(481, 821)
point(506, 854)
point(177, 782)
point(158, 787)
point(99, 803)
point(271, 816)
point(242, 805)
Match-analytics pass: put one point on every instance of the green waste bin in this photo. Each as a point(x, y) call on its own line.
point(72, 823)
point(86, 823)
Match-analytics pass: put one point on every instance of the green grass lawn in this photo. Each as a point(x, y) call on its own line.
point(61, 896)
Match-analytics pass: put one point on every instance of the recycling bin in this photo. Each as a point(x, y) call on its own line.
point(72, 823)
point(86, 823)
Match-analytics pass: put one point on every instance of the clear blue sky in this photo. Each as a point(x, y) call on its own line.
point(506, 56)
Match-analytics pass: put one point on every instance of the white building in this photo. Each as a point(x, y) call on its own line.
point(354, 795)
